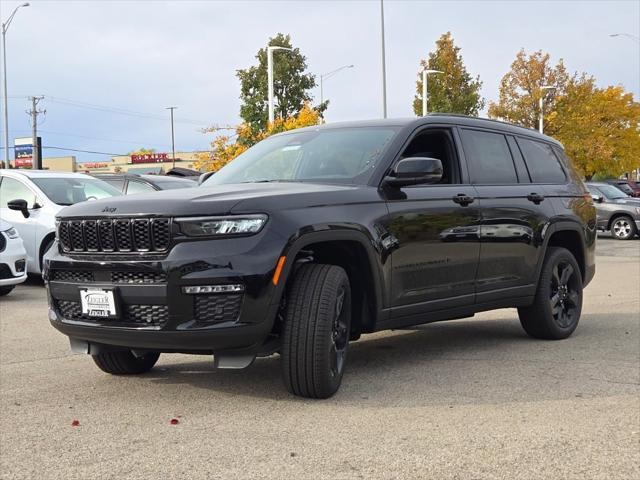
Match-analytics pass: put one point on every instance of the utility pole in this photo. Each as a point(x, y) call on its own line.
point(384, 65)
point(173, 140)
point(36, 161)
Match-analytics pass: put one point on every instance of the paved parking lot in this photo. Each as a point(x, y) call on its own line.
point(469, 399)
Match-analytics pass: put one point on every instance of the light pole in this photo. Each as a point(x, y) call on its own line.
point(541, 106)
point(173, 141)
point(425, 91)
point(270, 78)
point(5, 27)
point(628, 35)
point(326, 76)
point(384, 63)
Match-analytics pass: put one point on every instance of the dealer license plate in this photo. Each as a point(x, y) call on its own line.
point(98, 302)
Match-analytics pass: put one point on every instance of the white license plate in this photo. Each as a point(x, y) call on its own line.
point(98, 302)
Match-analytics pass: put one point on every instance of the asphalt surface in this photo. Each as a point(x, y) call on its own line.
point(468, 399)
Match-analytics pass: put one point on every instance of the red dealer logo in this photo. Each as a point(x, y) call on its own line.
point(150, 158)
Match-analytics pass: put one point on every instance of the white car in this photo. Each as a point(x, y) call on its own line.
point(13, 258)
point(30, 200)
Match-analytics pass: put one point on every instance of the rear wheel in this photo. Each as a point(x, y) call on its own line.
point(316, 331)
point(125, 363)
point(556, 309)
point(623, 228)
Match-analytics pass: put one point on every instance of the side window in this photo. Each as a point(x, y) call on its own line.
point(436, 144)
point(12, 189)
point(138, 187)
point(115, 182)
point(543, 165)
point(489, 157)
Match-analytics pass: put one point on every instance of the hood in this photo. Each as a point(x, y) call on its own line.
point(632, 202)
point(222, 200)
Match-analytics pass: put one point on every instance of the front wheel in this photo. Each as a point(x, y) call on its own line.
point(556, 309)
point(623, 228)
point(125, 362)
point(316, 331)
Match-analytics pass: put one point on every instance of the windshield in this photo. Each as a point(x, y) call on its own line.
point(346, 155)
point(172, 184)
point(611, 192)
point(67, 191)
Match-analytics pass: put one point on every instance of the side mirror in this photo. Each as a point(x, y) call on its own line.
point(203, 178)
point(415, 171)
point(19, 205)
point(597, 198)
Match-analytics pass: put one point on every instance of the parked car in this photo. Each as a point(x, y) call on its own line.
point(130, 183)
point(315, 236)
point(30, 200)
point(629, 187)
point(617, 212)
point(13, 258)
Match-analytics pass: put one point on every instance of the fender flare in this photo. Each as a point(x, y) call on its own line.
point(298, 242)
point(555, 227)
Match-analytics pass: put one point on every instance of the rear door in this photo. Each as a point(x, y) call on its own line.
point(514, 214)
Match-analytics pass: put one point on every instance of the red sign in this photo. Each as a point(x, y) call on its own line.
point(95, 165)
point(150, 158)
point(24, 162)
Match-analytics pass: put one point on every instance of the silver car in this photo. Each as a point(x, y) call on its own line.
point(617, 212)
point(30, 200)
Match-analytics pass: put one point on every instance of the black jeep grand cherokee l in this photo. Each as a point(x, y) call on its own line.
point(317, 235)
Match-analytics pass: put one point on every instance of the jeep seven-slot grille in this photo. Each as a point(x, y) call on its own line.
point(115, 235)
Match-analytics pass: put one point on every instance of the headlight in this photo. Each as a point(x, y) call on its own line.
point(12, 233)
point(214, 226)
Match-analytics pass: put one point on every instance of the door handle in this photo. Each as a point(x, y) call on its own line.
point(535, 198)
point(463, 199)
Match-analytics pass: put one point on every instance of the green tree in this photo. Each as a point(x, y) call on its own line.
point(291, 85)
point(142, 151)
point(599, 127)
point(454, 90)
point(521, 89)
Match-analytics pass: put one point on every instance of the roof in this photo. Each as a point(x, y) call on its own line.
point(42, 173)
point(439, 118)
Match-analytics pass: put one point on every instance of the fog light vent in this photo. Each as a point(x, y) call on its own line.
point(20, 265)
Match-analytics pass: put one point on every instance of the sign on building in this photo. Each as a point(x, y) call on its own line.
point(151, 158)
point(23, 152)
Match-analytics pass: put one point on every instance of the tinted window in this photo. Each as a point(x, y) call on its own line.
point(543, 165)
point(489, 157)
point(139, 187)
point(11, 189)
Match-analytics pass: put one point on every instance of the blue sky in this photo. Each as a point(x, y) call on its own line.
point(146, 55)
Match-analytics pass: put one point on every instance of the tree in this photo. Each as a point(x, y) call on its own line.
point(520, 89)
point(142, 151)
point(224, 151)
point(599, 127)
point(290, 86)
point(454, 90)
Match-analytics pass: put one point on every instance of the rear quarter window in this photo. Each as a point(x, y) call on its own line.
point(542, 163)
point(489, 157)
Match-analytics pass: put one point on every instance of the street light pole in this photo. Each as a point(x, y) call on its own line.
point(270, 50)
point(384, 64)
point(326, 76)
point(628, 35)
point(541, 106)
point(425, 90)
point(173, 140)
point(5, 27)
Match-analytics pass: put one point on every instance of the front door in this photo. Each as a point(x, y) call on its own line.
point(435, 234)
point(12, 189)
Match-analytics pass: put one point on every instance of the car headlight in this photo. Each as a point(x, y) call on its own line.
point(220, 226)
point(12, 233)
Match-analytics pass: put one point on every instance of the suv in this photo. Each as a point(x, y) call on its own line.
point(616, 211)
point(314, 236)
point(130, 183)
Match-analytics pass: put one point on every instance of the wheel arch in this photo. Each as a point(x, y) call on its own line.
point(569, 235)
point(49, 237)
point(618, 214)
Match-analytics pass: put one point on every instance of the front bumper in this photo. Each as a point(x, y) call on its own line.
point(154, 311)
point(13, 263)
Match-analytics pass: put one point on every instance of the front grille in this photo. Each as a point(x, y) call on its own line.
point(135, 315)
point(217, 308)
point(116, 276)
point(5, 271)
point(115, 235)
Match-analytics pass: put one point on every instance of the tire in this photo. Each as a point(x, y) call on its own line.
point(6, 290)
point(623, 228)
point(125, 362)
point(316, 331)
point(556, 309)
